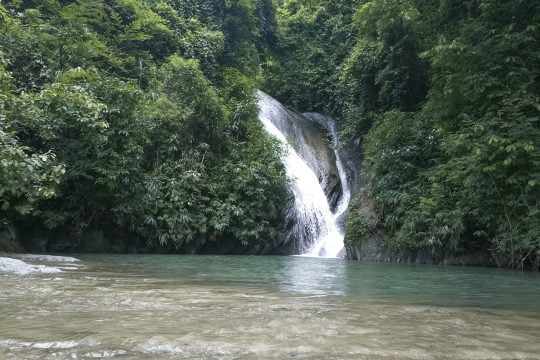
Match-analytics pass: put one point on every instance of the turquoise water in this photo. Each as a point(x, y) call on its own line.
point(217, 307)
point(426, 285)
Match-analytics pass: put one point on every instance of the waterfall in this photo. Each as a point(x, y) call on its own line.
point(315, 225)
point(330, 125)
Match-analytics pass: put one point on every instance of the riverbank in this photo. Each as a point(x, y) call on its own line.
point(373, 248)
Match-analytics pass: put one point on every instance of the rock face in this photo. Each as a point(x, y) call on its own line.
point(9, 242)
point(21, 239)
point(348, 155)
point(94, 242)
point(34, 240)
point(313, 142)
point(60, 244)
point(375, 249)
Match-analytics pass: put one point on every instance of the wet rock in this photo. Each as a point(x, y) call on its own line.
point(376, 249)
point(313, 142)
point(317, 150)
point(348, 155)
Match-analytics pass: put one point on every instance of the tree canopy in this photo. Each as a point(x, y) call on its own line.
point(140, 118)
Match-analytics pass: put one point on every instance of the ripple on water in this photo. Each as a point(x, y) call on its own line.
point(105, 354)
point(152, 347)
point(60, 344)
point(100, 313)
point(48, 258)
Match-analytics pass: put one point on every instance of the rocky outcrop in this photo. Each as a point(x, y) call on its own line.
point(366, 241)
point(376, 249)
point(61, 244)
point(317, 151)
point(21, 240)
point(348, 153)
point(19, 267)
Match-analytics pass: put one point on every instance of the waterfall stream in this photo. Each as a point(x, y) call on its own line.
point(315, 225)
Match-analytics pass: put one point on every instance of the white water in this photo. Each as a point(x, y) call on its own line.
point(19, 267)
point(50, 258)
point(330, 125)
point(24, 264)
point(315, 222)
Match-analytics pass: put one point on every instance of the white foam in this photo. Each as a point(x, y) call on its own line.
point(68, 267)
point(105, 354)
point(62, 344)
point(154, 348)
point(51, 258)
point(19, 267)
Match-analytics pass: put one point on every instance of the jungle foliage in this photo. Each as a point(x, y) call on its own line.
point(444, 98)
point(138, 117)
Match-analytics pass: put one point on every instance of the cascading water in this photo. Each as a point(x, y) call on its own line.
point(315, 225)
point(345, 198)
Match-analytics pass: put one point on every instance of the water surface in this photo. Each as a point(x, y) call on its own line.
point(216, 307)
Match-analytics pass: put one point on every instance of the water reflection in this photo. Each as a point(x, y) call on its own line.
point(315, 276)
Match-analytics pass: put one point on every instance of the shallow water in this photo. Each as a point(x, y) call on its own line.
point(214, 307)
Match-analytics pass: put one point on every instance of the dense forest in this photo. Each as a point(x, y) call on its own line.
point(444, 99)
point(139, 117)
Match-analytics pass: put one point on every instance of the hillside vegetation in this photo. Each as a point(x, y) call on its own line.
point(444, 98)
point(138, 118)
